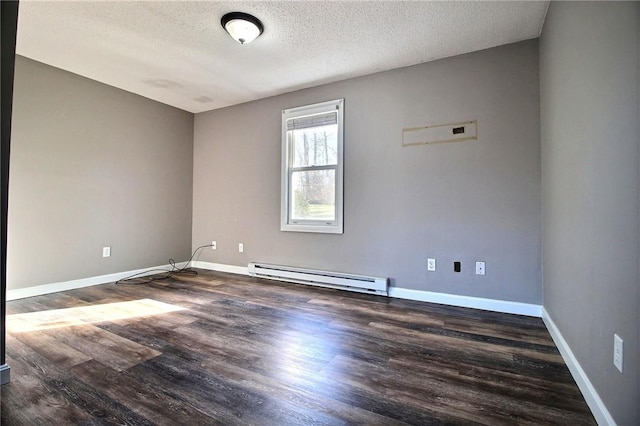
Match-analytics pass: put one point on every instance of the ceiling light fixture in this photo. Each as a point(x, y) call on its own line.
point(243, 27)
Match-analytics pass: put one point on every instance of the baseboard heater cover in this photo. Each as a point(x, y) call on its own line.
point(337, 280)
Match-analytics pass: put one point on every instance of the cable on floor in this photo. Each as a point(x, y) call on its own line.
point(158, 274)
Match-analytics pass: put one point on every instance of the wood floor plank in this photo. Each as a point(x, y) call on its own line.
point(65, 389)
point(28, 400)
point(150, 402)
point(286, 390)
point(447, 393)
point(235, 350)
point(108, 348)
point(52, 348)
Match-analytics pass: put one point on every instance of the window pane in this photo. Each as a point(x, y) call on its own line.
point(313, 195)
point(315, 146)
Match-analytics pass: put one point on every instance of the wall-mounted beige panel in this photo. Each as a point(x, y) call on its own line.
point(440, 133)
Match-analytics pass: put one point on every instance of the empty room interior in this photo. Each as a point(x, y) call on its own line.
point(305, 212)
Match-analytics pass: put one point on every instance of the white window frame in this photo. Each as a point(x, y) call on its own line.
point(286, 223)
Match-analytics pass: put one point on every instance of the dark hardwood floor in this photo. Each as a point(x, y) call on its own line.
point(226, 349)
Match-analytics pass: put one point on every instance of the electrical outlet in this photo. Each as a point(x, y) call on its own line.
point(213, 245)
point(240, 247)
point(431, 264)
point(618, 351)
point(106, 251)
point(457, 266)
point(480, 268)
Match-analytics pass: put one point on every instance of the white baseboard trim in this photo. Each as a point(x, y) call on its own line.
point(494, 305)
point(419, 295)
point(39, 290)
point(219, 267)
point(400, 293)
point(598, 409)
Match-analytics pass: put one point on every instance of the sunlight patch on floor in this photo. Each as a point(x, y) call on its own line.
point(56, 318)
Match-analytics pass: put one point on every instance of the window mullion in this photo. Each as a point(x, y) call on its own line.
point(311, 168)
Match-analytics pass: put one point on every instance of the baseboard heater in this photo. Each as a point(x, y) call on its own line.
point(359, 283)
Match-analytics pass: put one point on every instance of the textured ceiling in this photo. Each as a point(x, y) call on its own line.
point(177, 53)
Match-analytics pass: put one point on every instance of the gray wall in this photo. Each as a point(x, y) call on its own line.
point(92, 166)
point(589, 114)
point(468, 201)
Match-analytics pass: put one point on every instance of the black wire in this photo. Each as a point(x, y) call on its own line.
point(138, 277)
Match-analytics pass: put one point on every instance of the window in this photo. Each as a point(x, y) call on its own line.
point(312, 168)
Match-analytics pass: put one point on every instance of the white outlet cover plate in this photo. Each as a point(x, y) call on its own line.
point(480, 268)
point(618, 351)
point(431, 264)
point(106, 251)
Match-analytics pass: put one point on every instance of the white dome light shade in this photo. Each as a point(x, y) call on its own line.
point(243, 27)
